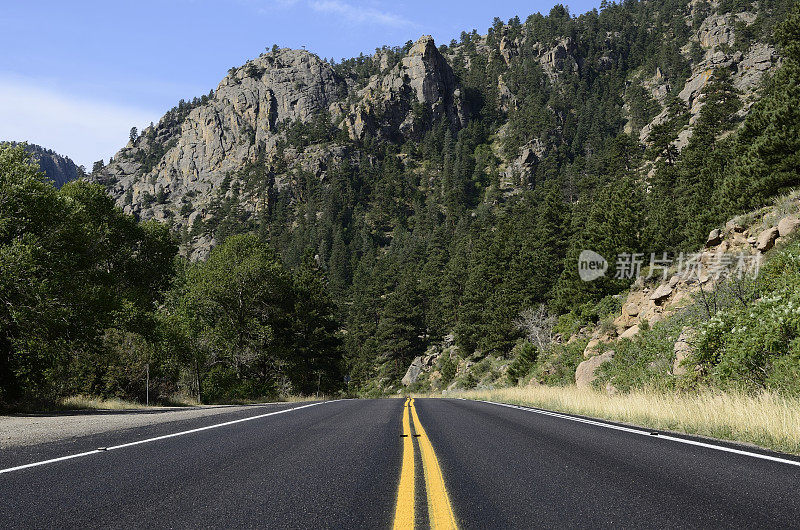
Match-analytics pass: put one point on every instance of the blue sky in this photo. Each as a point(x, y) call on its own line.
point(75, 76)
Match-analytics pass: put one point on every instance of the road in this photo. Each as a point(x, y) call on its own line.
point(378, 463)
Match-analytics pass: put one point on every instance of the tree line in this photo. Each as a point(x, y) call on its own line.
point(90, 299)
point(403, 244)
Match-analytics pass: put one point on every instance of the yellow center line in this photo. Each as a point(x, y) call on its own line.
point(440, 511)
point(404, 511)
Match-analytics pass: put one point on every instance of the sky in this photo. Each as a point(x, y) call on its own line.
point(75, 76)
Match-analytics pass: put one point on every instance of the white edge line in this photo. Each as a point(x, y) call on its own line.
point(644, 433)
point(157, 438)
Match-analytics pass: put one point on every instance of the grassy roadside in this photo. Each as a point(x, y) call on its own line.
point(82, 402)
point(767, 419)
point(86, 402)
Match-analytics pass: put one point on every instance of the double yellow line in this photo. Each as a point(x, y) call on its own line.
point(440, 511)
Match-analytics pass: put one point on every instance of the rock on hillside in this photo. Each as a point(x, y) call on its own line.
point(175, 168)
point(715, 38)
point(60, 169)
point(734, 249)
point(422, 76)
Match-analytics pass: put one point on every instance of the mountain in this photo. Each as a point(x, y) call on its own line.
point(175, 169)
point(60, 169)
point(446, 189)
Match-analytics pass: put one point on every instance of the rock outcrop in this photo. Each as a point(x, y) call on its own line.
point(788, 226)
point(766, 239)
point(231, 128)
point(413, 372)
point(174, 170)
point(715, 37)
point(423, 76)
point(60, 169)
point(586, 374)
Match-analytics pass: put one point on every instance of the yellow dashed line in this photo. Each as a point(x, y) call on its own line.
point(404, 512)
point(440, 511)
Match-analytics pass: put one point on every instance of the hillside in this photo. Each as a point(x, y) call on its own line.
point(445, 190)
point(719, 316)
point(60, 169)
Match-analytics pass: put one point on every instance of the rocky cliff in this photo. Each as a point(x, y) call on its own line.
point(60, 169)
point(204, 151)
point(173, 170)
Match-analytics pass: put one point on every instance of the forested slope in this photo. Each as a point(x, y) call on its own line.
point(441, 191)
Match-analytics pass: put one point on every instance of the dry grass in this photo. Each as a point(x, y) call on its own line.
point(280, 399)
point(83, 402)
point(766, 419)
point(95, 403)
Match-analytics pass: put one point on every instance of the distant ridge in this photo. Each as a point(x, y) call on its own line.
point(58, 168)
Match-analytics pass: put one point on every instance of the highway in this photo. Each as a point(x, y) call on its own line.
point(402, 463)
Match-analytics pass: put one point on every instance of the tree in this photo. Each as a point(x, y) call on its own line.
point(400, 332)
point(239, 303)
point(134, 134)
point(315, 362)
point(537, 324)
point(767, 149)
point(525, 355)
point(72, 267)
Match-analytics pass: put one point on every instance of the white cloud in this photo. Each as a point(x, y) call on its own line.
point(359, 15)
point(82, 129)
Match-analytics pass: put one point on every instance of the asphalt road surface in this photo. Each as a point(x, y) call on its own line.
point(381, 463)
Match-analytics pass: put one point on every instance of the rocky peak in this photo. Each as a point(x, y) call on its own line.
point(173, 171)
point(715, 37)
point(60, 169)
point(286, 84)
point(428, 73)
point(184, 161)
point(423, 76)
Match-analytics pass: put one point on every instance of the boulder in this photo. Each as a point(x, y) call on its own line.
point(631, 309)
point(586, 372)
point(436, 380)
point(630, 333)
point(412, 374)
point(591, 348)
point(733, 226)
point(788, 225)
point(766, 239)
point(714, 238)
point(661, 294)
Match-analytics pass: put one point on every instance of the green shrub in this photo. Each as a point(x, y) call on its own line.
point(645, 361)
point(525, 355)
point(744, 347)
point(448, 368)
point(559, 365)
